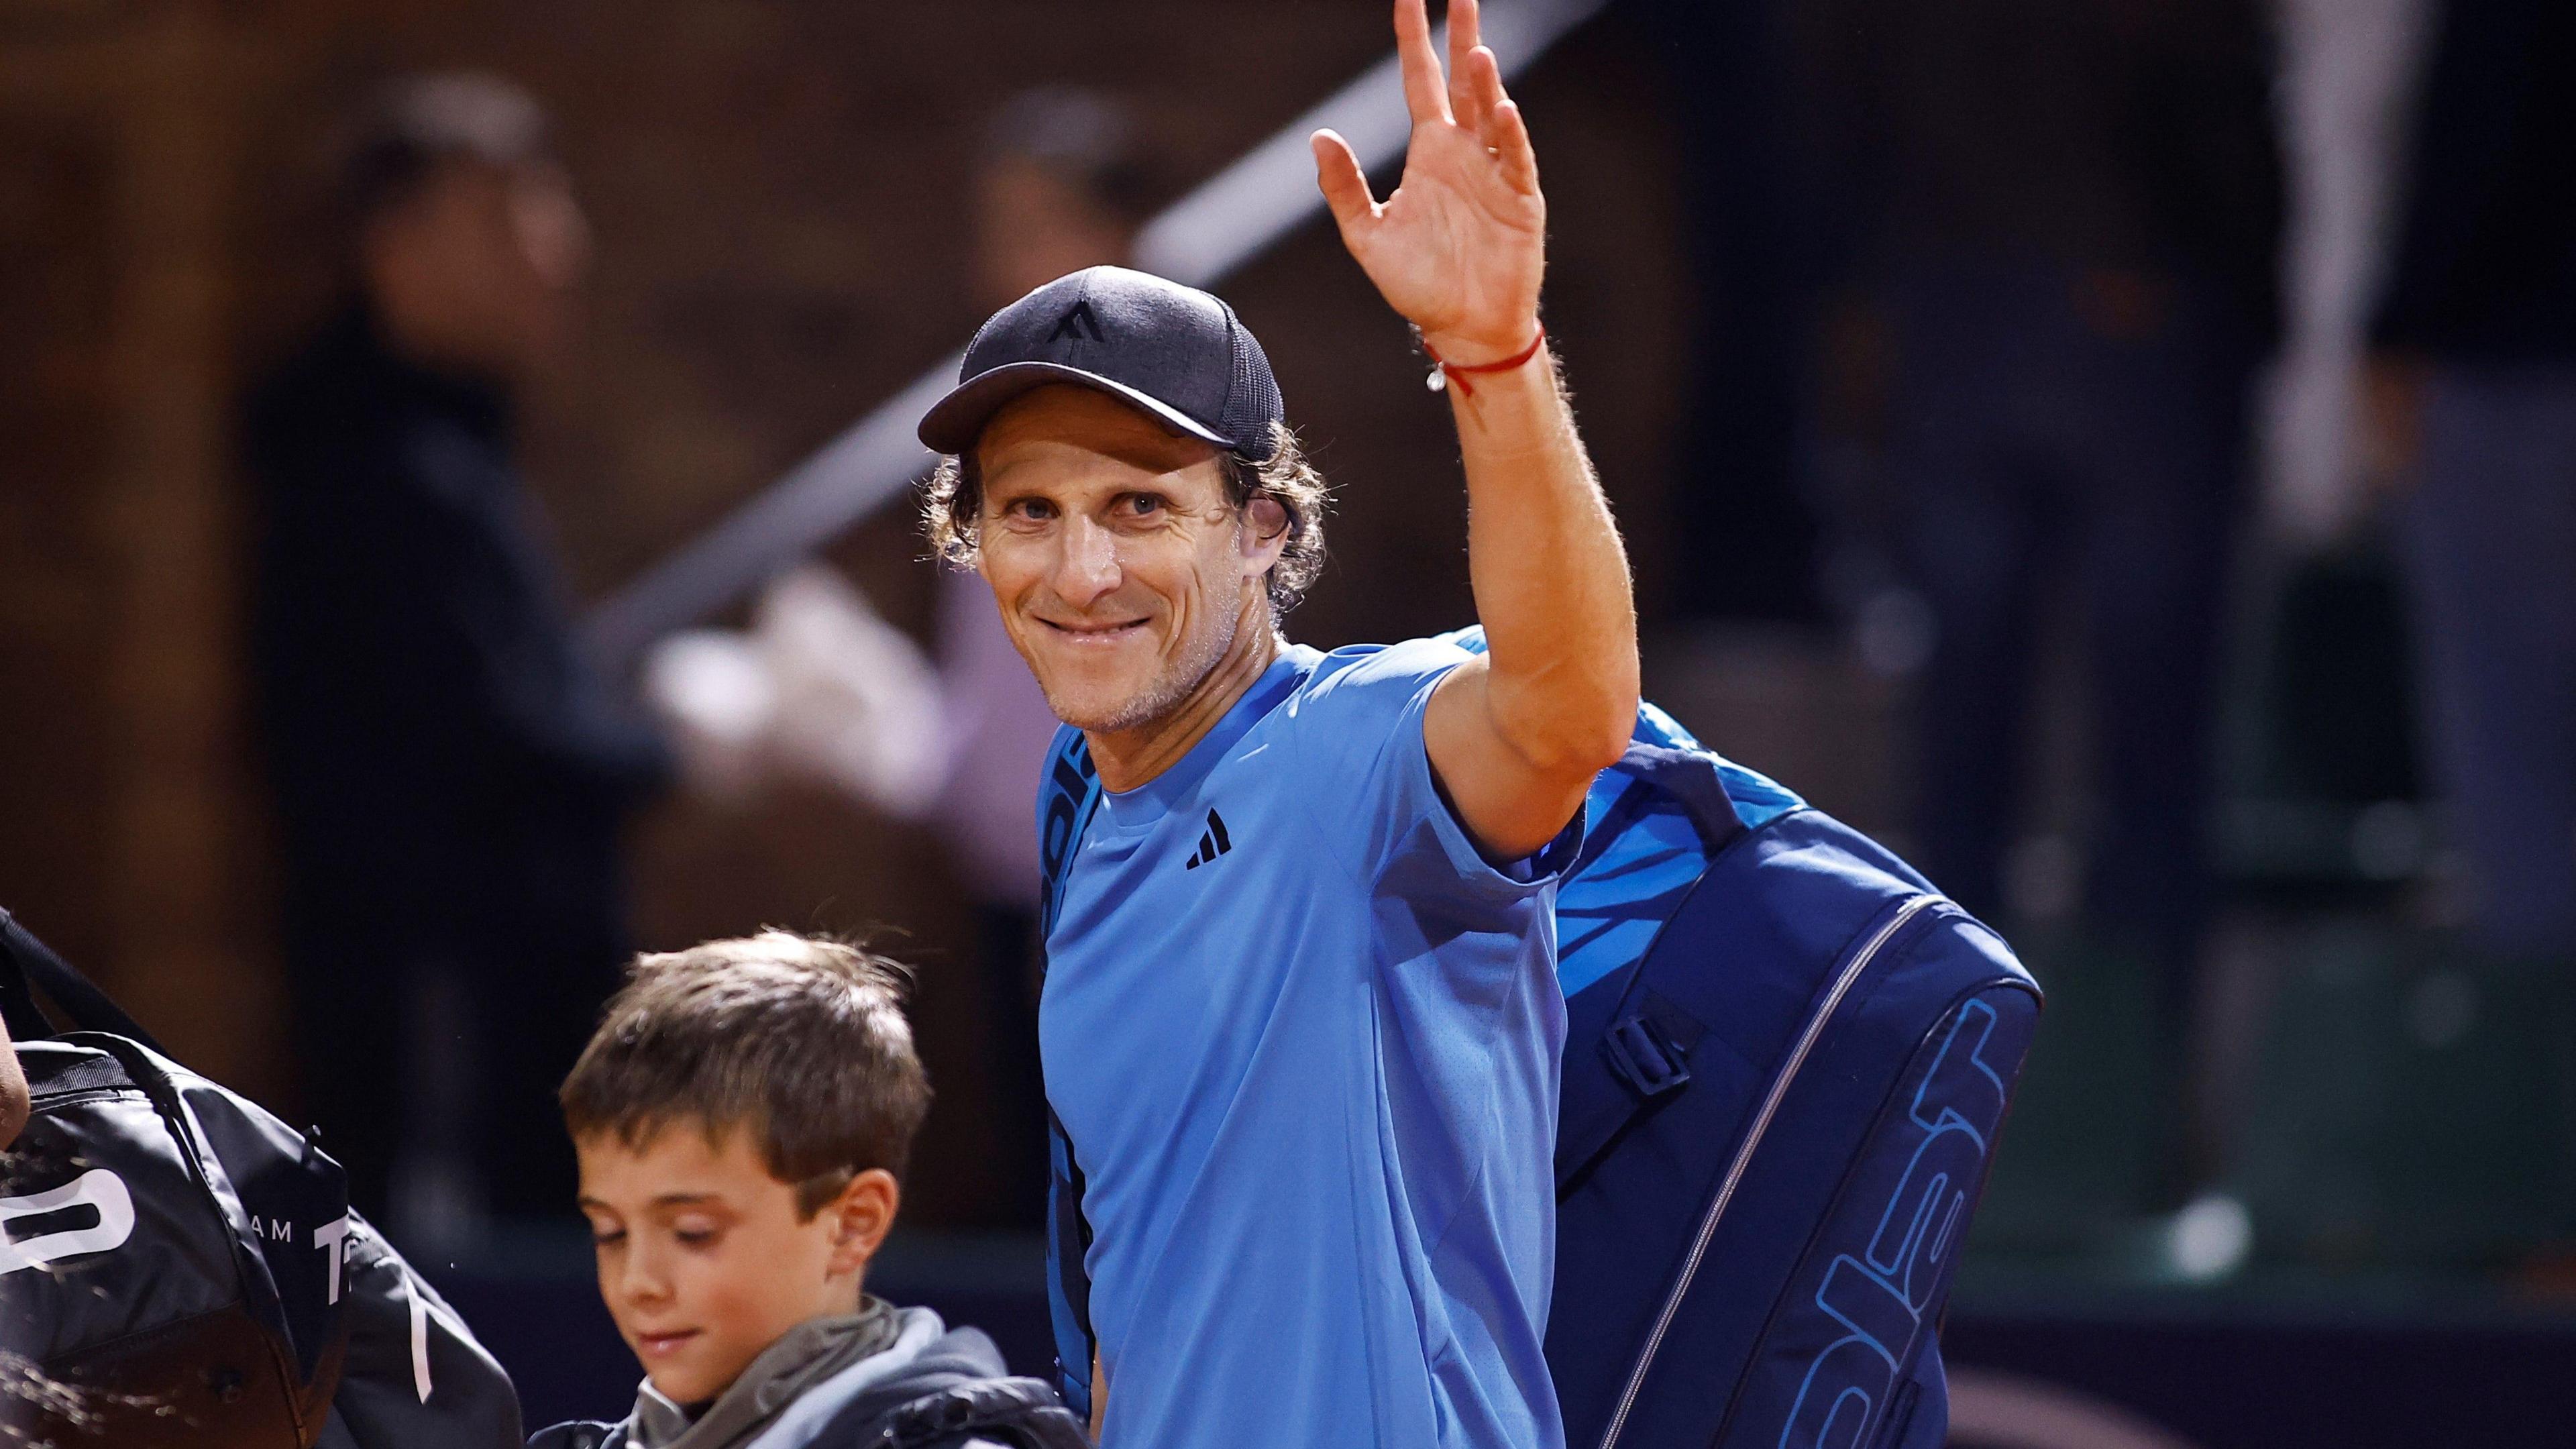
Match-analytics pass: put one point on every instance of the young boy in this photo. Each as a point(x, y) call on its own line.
point(742, 1116)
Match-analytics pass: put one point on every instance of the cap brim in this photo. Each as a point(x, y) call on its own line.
point(954, 422)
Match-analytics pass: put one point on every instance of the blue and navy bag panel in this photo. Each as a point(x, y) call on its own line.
point(1643, 853)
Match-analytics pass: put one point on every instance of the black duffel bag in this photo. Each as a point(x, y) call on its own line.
point(178, 1266)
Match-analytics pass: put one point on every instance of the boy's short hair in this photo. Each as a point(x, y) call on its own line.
point(799, 1040)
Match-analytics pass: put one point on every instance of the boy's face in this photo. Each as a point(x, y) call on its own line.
point(703, 1260)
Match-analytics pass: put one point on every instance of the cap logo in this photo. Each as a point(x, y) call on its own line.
point(1077, 325)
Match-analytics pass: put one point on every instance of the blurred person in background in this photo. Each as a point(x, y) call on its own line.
point(2067, 217)
point(822, 688)
point(1744, 445)
point(2473, 387)
point(1063, 186)
point(825, 690)
point(2472, 390)
point(451, 777)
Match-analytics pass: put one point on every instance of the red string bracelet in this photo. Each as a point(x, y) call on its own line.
point(1443, 372)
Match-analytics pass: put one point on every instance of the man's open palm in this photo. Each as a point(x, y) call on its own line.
point(1459, 249)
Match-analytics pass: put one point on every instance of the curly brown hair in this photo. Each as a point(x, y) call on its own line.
point(953, 498)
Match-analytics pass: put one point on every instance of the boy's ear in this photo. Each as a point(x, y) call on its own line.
point(860, 1217)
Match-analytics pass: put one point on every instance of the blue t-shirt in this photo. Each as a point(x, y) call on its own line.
point(1303, 1040)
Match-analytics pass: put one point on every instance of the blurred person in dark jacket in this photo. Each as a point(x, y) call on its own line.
point(1746, 455)
point(451, 777)
point(955, 739)
point(2474, 390)
point(2068, 217)
point(1063, 186)
point(1060, 187)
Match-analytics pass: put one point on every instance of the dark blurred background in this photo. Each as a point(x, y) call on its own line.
point(2122, 453)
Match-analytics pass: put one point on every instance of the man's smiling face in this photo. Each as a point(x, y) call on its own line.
point(1121, 569)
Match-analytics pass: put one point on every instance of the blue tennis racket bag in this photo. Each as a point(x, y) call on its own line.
point(1786, 1063)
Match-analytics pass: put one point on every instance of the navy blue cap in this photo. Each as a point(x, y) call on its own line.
point(1176, 352)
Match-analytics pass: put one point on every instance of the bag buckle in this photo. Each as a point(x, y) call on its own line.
point(1644, 1057)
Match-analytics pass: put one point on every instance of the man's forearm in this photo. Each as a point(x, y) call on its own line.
point(1460, 251)
point(1549, 572)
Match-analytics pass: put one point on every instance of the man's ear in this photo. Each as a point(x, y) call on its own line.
point(1264, 535)
point(861, 1217)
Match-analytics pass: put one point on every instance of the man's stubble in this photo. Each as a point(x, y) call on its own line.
point(1171, 687)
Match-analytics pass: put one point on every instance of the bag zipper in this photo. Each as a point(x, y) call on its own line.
point(1744, 1156)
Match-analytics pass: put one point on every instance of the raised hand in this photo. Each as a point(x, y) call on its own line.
point(1459, 249)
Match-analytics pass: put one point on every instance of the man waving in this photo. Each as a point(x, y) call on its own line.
point(1300, 1027)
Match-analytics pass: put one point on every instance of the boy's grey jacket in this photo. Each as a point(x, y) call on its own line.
point(934, 1388)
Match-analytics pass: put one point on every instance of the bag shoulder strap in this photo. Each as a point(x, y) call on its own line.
point(1024, 1411)
point(579, 1434)
point(24, 960)
point(1692, 778)
point(1067, 799)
